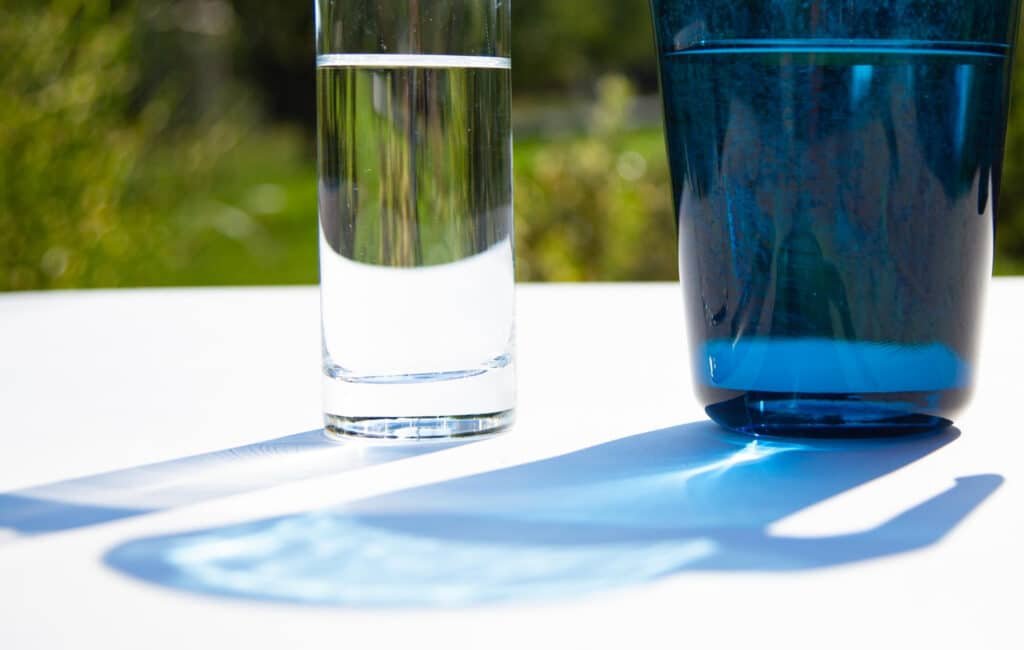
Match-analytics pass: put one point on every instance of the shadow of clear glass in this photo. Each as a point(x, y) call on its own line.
point(688, 498)
point(124, 493)
point(836, 170)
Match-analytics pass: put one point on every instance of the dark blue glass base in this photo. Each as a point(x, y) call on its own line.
point(826, 415)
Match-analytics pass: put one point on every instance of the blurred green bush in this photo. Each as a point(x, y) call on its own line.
point(82, 203)
point(169, 143)
point(1010, 226)
point(66, 150)
point(596, 206)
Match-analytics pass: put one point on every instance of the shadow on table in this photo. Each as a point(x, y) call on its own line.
point(159, 486)
point(689, 498)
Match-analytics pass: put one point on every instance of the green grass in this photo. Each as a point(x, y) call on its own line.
point(255, 223)
point(251, 219)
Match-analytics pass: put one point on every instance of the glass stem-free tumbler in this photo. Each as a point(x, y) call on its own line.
point(835, 170)
point(415, 214)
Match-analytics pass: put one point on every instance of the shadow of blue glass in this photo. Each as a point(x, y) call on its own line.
point(690, 498)
point(134, 491)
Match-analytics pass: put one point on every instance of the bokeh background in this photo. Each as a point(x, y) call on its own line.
point(170, 142)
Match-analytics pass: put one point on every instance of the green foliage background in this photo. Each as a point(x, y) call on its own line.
point(169, 143)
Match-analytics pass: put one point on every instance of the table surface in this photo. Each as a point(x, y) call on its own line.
point(164, 484)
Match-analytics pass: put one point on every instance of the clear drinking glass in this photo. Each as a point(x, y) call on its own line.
point(836, 168)
point(415, 213)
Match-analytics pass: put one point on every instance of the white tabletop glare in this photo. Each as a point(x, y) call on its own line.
point(164, 484)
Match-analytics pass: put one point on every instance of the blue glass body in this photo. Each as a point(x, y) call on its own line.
point(836, 169)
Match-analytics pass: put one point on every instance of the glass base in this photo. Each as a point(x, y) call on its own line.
point(821, 416)
point(417, 429)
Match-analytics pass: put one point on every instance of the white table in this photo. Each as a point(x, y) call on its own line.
point(163, 485)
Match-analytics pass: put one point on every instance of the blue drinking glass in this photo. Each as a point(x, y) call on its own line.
point(835, 170)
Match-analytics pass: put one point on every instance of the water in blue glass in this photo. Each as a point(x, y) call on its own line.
point(835, 206)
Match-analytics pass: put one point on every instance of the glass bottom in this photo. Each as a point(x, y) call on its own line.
point(821, 416)
point(417, 429)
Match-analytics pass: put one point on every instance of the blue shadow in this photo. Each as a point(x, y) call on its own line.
point(689, 498)
point(135, 491)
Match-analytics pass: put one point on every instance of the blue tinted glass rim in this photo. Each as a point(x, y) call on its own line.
point(843, 46)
